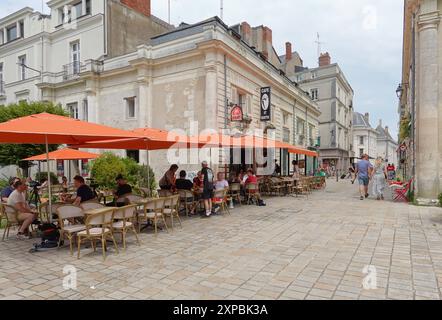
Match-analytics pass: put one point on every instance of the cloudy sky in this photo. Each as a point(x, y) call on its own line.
point(363, 36)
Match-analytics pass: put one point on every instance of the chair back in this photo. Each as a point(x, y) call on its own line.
point(251, 187)
point(125, 213)
point(220, 194)
point(159, 204)
point(69, 212)
point(174, 200)
point(123, 198)
point(133, 199)
point(10, 213)
point(165, 193)
point(185, 194)
point(101, 219)
point(235, 187)
point(91, 206)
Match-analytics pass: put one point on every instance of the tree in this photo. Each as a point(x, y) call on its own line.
point(12, 154)
point(108, 166)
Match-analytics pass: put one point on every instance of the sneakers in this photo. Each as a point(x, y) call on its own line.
point(22, 236)
point(216, 210)
point(362, 198)
point(366, 196)
point(208, 214)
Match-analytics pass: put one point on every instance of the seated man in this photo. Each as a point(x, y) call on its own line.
point(84, 193)
point(198, 183)
point(6, 192)
point(182, 183)
point(26, 215)
point(123, 187)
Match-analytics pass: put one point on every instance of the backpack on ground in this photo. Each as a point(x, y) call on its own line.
point(50, 235)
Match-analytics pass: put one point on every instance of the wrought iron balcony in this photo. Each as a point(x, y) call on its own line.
point(73, 71)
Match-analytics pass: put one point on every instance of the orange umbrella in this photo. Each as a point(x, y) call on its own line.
point(148, 139)
point(45, 128)
point(64, 154)
point(53, 129)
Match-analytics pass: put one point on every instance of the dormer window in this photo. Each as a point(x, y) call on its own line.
point(11, 33)
point(69, 13)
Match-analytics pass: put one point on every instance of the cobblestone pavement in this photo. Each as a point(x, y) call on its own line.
point(295, 248)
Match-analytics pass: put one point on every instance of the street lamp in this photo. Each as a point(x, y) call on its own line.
point(399, 91)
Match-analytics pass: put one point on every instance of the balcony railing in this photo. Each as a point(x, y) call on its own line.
point(73, 71)
point(2, 88)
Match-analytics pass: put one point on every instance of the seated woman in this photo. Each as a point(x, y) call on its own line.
point(167, 182)
point(252, 179)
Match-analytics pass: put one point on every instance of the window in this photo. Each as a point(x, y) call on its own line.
point(130, 108)
point(85, 110)
point(285, 119)
point(299, 78)
point(361, 153)
point(78, 9)
point(73, 110)
point(133, 154)
point(11, 33)
point(361, 140)
point(22, 68)
point(314, 75)
point(314, 94)
point(286, 135)
point(22, 29)
point(88, 7)
point(75, 57)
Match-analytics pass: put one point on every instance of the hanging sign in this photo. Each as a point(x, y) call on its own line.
point(60, 168)
point(236, 115)
point(266, 104)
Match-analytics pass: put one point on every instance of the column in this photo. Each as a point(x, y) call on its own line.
point(143, 111)
point(427, 139)
point(211, 92)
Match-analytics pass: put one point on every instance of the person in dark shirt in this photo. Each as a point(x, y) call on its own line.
point(182, 183)
point(123, 187)
point(6, 192)
point(207, 187)
point(84, 193)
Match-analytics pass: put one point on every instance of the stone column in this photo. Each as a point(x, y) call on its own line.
point(427, 138)
point(211, 110)
point(143, 111)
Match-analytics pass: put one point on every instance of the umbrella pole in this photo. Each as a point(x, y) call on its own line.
point(148, 172)
point(49, 179)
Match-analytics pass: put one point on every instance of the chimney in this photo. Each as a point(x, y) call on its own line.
point(324, 59)
point(141, 6)
point(288, 51)
point(367, 118)
point(267, 41)
point(387, 129)
point(246, 32)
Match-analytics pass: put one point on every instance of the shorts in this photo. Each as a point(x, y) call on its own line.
point(207, 194)
point(364, 181)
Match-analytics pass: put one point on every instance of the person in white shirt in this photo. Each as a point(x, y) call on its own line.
point(221, 183)
point(26, 215)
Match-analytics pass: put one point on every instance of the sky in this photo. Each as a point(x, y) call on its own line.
point(364, 37)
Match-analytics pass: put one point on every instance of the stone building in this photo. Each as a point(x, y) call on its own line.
point(364, 136)
point(328, 86)
point(162, 77)
point(420, 98)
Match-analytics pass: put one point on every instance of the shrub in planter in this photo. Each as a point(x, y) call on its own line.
point(44, 176)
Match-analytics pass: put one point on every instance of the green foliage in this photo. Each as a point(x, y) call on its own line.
point(4, 183)
point(108, 166)
point(405, 127)
point(12, 154)
point(440, 199)
point(44, 176)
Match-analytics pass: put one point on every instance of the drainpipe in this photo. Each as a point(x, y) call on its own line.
point(413, 98)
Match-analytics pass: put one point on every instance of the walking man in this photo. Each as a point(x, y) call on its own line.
point(207, 174)
point(363, 172)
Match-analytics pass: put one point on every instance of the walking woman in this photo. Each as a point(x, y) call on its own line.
point(379, 178)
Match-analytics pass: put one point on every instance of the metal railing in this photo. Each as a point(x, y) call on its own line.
point(73, 71)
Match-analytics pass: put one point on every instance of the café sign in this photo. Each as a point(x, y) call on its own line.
point(236, 115)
